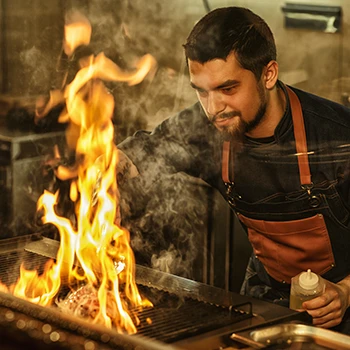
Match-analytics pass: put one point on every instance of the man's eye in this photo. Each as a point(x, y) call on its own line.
point(227, 90)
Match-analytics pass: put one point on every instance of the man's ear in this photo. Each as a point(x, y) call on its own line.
point(270, 74)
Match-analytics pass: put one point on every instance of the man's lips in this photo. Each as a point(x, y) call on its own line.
point(223, 121)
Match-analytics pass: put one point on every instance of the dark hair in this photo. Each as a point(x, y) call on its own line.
point(232, 29)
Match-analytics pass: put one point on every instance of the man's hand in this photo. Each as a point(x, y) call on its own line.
point(328, 309)
point(126, 169)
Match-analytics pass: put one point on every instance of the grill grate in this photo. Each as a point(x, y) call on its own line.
point(172, 318)
point(11, 261)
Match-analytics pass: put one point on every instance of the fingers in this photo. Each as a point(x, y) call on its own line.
point(318, 302)
point(326, 310)
point(329, 324)
point(326, 317)
point(327, 321)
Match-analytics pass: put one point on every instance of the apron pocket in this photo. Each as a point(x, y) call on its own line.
point(287, 248)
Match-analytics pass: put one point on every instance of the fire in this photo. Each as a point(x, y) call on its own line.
point(77, 32)
point(94, 249)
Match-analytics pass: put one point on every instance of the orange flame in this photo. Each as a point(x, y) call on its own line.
point(77, 32)
point(94, 250)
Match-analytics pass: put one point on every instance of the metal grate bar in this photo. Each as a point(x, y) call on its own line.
point(169, 323)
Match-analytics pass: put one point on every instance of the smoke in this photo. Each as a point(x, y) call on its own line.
point(38, 59)
point(38, 69)
point(168, 226)
point(167, 260)
point(127, 30)
point(132, 28)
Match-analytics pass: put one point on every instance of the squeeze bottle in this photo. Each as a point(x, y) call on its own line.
point(305, 286)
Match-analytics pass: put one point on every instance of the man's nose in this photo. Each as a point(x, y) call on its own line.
point(215, 105)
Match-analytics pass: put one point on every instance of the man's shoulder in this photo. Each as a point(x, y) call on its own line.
point(190, 121)
point(192, 114)
point(322, 109)
point(189, 126)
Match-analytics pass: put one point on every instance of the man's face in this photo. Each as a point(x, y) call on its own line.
point(230, 95)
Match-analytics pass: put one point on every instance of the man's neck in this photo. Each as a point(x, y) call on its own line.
point(275, 109)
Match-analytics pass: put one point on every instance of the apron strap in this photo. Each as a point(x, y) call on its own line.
point(225, 161)
point(300, 144)
point(300, 138)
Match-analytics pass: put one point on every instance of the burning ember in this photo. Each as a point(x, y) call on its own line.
point(94, 255)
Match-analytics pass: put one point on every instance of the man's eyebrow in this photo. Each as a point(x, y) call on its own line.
point(228, 83)
point(225, 84)
point(195, 86)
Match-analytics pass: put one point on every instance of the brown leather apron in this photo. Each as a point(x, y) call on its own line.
point(286, 248)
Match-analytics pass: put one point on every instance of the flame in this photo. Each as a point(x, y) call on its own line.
point(77, 32)
point(94, 249)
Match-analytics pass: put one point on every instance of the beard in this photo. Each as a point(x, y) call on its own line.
point(235, 132)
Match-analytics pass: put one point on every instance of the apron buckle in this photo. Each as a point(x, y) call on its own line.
point(314, 201)
point(308, 188)
point(231, 193)
point(229, 187)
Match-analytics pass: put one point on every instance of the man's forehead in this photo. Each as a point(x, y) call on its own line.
point(214, 73)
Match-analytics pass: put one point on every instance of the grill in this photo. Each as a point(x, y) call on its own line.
point(175, 319)
point(185, 313)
